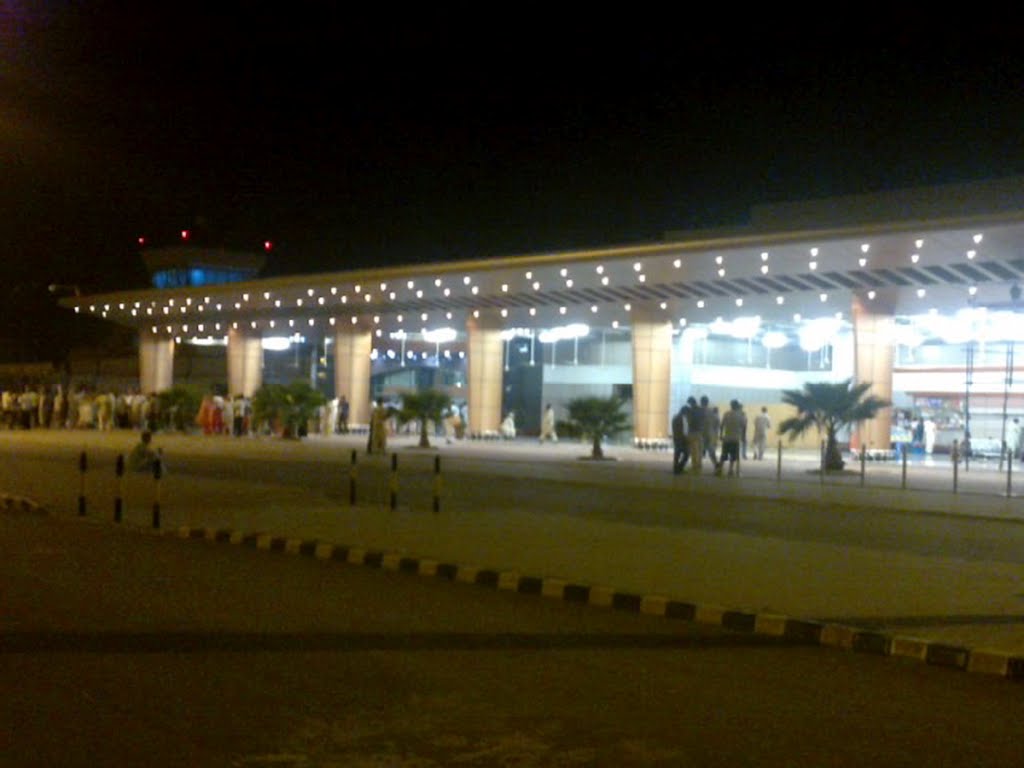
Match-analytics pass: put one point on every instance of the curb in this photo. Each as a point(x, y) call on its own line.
point(794, 630)
point(20, 504)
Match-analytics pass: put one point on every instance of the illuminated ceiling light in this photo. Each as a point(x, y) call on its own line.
point(971, 254)
point(918, 243)
point(914, 258)
point(920, 293)
point(664, 305)
point(599, 269)
point(400, 319)
point(563, 272)
point(291, 323)
point(354, 320)
point(266, 294)
point(823, 297)
point(642, 278)
point(237, 305)
point(536, 286)
point(865, 247)
point(391, 295)
point(476, 313)
point(568, 283)
point(700, 304)
point(475, 290)
point(977, 238)
point(718, 259)
point(814, 252)
point(171, 302)
point(780, 300)
point(615, 323)
point(504, 313)
point(358, 289)
point(972, 290)
point(677, 263)
point(298, 302)
point(637, 266)
point(721, 272)
point(533, 311)
point(332, 321)
point(529, 275)
point(604, 280)
point(447, 291)
point(682, 321)
point(410, 285)
point(448, 315)
point(593, 308)
point(309, 291)
point(628, 307)
point(277, 302)
point(764, 269)
point(272, 323)
point(423, 317)
point(344, 299)
point(467, 280)
point(739, 302)
point(321, 301)
point(419, 294)
point(813, 265)
point(504, 287)
point(183, 310)
point(764, 255)
point(862, 261)
point(871, 295)
point(437, 282)
point(334, 291)
point(383, 287)
point(376, 319)
point(368, 296)
point(562, 310)
point(796, 317)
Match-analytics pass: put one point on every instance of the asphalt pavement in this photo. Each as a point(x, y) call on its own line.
point(613, 539)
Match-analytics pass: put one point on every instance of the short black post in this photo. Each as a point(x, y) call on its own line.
point(1009, 472)
point(119, 471)
point(863, 463)
point(157, 473)
point(394, 480)
point(352, 480)
point(82, 466)
point(437, 484)
point(903, 477)
point(778, 464)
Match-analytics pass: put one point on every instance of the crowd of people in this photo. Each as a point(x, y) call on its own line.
point(50, 407)
point(700, 430)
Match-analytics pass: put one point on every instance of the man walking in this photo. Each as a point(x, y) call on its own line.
point(680, 449)
point(762, 423)
point(732, 430)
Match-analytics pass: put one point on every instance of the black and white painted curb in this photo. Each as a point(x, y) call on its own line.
point(802, 631)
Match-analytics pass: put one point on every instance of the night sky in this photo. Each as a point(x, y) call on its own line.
point(352, 140)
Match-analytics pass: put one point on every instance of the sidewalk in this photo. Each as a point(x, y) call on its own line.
point(909, 604)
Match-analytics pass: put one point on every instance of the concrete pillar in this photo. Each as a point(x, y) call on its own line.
point(652, 372)
point(352, 347)
point(245, 362)
point(156, 362)
point(873, 361)
point(485, 351)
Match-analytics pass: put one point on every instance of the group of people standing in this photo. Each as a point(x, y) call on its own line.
point(698, 429)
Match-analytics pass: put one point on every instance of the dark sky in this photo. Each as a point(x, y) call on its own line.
point(352, 140)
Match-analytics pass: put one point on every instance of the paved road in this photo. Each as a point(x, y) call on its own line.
point(118, 648)
point(925, 563)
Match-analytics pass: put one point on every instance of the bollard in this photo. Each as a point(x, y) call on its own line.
point(437, 484)
point(778, 464)
point(82, 465)
point(157, 472)
point(119, 471)
point(352, 480)
point(956, 463)
point(394, 480)
point(863, 464)
point(903, 475)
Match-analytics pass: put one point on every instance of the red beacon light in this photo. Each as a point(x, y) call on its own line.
point(142, 240)
point(184, 234)
point(267, 245)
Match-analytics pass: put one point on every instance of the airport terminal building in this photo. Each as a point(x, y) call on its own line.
point(915, 291)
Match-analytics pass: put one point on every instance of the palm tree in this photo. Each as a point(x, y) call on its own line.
point(287, 408)
point(424, 406)
point(829, 406)
point(596, 417)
